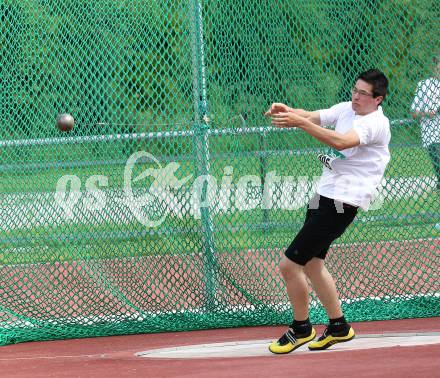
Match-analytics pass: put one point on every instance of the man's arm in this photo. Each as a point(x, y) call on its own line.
point(417, 115)
point(329, 137)
point(311, 116)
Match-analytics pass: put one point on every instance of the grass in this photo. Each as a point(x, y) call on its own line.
point(233, 231)
point(405, 162)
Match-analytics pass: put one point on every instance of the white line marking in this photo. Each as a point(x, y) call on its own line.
point(258, 348)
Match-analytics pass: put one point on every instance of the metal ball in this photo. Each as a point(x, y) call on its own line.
point(65, 122)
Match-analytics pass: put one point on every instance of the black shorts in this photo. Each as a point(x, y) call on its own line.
point(323, 224)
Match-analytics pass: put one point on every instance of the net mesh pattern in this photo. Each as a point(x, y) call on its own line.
point(169, 205)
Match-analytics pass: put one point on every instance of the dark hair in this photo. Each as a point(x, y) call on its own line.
point(377, 79)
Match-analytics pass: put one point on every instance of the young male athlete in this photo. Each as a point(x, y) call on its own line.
point(361, 134)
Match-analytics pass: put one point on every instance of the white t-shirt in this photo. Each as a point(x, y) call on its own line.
point(355, 178)
point(427, 99)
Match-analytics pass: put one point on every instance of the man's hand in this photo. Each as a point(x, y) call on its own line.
point(277, 107)
point(417, 115)
point(288, 119)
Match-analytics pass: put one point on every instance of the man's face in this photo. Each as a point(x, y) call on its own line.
point(362, 98)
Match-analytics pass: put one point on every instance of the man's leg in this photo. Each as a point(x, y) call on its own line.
point(324, 285)
point(301, 330)
point(434, 154)
point(297, 288)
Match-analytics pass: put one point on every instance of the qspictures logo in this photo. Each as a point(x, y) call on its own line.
point(152, 191)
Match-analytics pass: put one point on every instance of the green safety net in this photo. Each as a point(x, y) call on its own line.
point(170, 203)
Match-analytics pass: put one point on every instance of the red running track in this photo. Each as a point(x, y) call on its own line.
point(164, 283)
point(115, 356)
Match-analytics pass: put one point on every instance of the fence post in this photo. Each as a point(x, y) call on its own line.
point(263, 172)
point(201, 142)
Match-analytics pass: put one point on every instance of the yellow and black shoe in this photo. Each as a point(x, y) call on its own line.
point(291, 341)
point(330, 338)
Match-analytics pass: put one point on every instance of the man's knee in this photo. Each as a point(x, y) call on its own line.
point(314, 267)
point(289, 268)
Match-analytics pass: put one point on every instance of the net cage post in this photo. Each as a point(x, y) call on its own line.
point(201, 145)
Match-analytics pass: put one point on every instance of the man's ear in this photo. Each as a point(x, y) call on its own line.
point(379, 100)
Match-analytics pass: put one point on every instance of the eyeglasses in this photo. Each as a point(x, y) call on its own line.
point(354, 90)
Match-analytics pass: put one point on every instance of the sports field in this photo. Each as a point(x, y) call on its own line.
point(159, 215)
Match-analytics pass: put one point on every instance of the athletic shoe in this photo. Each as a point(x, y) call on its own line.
point(291, 341)
point(330, 338)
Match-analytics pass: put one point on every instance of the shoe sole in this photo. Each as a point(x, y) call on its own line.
point(333, 341)
point(296, 346)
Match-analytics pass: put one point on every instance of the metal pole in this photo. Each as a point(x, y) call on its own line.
point(263, 171)
point(201, 139)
